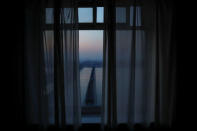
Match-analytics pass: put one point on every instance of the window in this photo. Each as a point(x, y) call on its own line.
point(90, 51)
point(85, 15)
point(90, 56)
point(100, 15)
point(90, 63)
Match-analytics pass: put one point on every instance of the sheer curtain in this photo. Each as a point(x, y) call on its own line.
point(51, 61)
point(141, 63)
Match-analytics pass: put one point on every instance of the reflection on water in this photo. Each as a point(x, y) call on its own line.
point(84, 81)
point(91, 113)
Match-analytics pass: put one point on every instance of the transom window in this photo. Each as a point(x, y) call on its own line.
point(92, 17)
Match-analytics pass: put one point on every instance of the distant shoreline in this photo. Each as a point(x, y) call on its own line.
point(90, 64)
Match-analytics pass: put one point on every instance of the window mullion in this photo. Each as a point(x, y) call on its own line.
point(94, 15)
point(128, 15)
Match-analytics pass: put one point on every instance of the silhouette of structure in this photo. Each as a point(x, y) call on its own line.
point(91, 96)
point(91, 91)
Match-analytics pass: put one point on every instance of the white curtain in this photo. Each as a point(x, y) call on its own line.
point(141, 73)
point(52, 81)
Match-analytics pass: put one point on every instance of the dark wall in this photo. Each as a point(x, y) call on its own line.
point(16, 37)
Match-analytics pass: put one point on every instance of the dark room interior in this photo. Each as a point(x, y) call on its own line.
point(96, 65)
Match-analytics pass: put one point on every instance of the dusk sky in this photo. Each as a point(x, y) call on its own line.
point(90, 45)
point(90, 41)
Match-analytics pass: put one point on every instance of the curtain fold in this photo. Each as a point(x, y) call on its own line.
point(166, 66)
point(143, 63)
point(32, 58)
point(52, 74)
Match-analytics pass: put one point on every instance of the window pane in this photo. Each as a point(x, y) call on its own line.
point(85, 15)
point(49, 16)
point(90, 58)
point(100, 14)
point(120, 15)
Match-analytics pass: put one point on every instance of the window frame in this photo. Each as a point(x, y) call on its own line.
point(94, 25)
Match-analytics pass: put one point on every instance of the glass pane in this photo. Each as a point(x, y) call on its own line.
point(120, 15)
point(49, 16)
point(91, 59)
point(85, 15)
point(100, 15)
